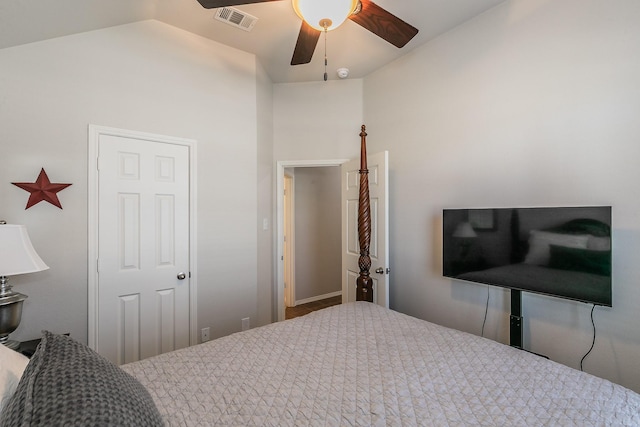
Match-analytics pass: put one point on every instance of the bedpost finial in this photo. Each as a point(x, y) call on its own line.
point(363, 130)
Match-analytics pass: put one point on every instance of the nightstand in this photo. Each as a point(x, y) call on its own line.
point(28, 347)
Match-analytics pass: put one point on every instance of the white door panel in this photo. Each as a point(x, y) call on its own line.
point(143, 244)
point(379, 250)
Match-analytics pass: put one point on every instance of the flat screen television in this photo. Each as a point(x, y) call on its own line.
point(559, 251)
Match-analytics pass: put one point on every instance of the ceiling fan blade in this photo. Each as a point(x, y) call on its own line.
point(384, 24)
point(306, 44)
point(213, 4)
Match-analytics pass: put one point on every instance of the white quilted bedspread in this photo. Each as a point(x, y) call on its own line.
point(361, 365)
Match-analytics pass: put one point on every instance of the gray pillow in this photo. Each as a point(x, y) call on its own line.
point(67, 383)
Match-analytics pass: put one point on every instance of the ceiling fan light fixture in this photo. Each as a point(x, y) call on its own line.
point(316, 13)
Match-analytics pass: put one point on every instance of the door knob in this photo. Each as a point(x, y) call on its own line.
point(380, 270)
point(181, 276)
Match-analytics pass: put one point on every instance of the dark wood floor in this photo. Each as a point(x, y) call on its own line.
point(302, 309)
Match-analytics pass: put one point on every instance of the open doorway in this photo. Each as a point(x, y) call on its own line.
point(312, 239)
point(379, 250)
point(289, 240)
point(307, 273)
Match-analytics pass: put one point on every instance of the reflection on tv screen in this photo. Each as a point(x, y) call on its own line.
point(559, 251)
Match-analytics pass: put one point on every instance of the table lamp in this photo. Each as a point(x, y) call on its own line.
point(17, 256)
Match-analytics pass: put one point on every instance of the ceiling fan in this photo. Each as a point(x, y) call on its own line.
point(314, 21)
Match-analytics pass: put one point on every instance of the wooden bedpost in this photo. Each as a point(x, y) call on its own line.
point(364, 283)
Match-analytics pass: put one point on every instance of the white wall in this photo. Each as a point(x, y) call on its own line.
point(318, 235)
point(534, 103)
point(317, 121)
point(148, 77)
point(266, 281)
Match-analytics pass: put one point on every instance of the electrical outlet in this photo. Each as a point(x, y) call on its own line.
point(245, 323)
point(204, 335)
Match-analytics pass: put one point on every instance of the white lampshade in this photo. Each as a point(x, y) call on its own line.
point(314, 11)
point(465, 230)
point(17, 255)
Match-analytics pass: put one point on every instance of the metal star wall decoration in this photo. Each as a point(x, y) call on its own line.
point(42, 190)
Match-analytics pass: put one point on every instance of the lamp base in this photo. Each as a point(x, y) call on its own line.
point(10, 314)
point(12, 344)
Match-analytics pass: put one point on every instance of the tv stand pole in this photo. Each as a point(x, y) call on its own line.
point(515, 324)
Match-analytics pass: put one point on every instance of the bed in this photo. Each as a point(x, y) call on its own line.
point(361, 364)
point(356, 364)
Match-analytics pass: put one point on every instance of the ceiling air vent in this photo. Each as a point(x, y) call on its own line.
point(236, 17)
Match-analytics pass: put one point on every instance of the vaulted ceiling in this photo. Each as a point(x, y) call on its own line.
point(272, 39)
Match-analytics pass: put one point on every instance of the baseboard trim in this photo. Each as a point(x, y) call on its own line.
point(318, 298)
